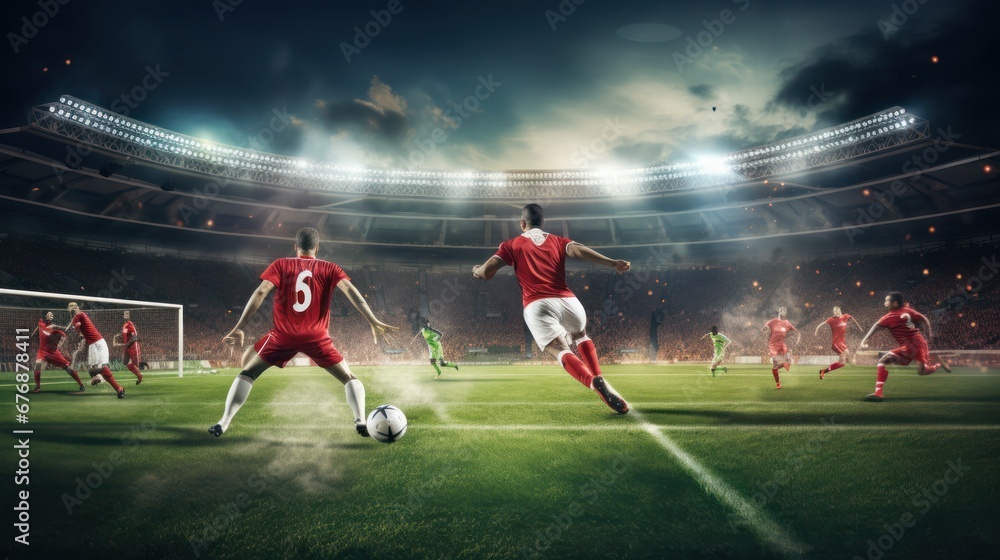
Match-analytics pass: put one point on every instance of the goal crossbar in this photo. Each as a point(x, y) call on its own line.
point(78, 297)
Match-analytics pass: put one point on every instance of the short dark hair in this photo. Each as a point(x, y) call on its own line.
point(715, 329)
point(896, 297)
point(533, 215)
point(307, 239)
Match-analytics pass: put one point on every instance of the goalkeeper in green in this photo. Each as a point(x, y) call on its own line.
point(720, 342)
point(433, 338)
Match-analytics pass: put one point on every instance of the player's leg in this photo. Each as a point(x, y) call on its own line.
point(887, 359)
point(132, 363)
point(354, 390)
point(776, 362)
point(841, 359)
point(99, 363)
point(38, 374)
point(60, 361)
point(444, 363)
point(239, 391)
point(437, 368)
point(573, 319)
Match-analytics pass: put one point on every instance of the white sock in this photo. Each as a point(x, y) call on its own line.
point(356, 398)
point(238, 393)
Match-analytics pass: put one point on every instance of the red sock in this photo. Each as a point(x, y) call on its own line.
point(883, 374)
point(76, 376)
point(576, 368)
point(38, 378)
point(833, 366)
point(589, 354)
point(106, 372)
point(134, 369)
point(774, 372)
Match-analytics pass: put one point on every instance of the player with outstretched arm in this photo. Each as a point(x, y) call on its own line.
point(904, 324)
point(303, 286)
point(551, 310)
point(50, 337)
point(98, 360)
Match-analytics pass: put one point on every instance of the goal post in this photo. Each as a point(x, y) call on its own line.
point(158, 324)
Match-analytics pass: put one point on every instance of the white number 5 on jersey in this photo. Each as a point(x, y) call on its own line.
point(301, 286)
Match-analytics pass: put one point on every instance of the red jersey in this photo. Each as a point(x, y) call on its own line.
point(779, 328)
point(539, 260)
point(838, 325)
point(902, 323)
point(48, 337)
point(128, 331)
point(82, 324)
point(303, 287)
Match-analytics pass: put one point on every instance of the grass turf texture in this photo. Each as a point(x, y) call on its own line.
point(510, 462)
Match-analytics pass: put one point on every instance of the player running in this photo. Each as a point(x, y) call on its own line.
point(551, 311)
point(903, 323)
point(780, 355)
point(303, 286)
point(129, 338)
point(720, 343)
point(433, 338)
point(49, 339)
point(97, 348)
point(838, 328)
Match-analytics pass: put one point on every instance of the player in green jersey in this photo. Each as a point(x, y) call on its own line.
point(433, 338)
point(720, 343)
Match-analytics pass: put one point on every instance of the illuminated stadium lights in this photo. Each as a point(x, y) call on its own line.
point(83, 122)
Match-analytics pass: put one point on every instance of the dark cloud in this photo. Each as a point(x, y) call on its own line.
point(702, 91)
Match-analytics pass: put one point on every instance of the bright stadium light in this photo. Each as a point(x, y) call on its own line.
point(82, 122)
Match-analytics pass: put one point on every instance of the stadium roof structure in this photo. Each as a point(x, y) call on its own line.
point(877, 181)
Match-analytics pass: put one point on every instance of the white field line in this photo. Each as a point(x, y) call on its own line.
point(758, 520)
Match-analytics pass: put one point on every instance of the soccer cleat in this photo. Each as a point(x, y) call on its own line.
point(822, 374)
point(216, 430)
point(361, 427)
point(777, 385)
point(609, 396)
point(121, 393)
point(725, 370)
point(945, 366)
point(713, 373)
point(874, 397)
point(138, 380)
point(82, 388)
point(37, 389)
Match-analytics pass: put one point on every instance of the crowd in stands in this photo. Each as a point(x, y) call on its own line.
point(663, 311)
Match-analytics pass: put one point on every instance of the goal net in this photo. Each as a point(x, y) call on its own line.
point(159, 326)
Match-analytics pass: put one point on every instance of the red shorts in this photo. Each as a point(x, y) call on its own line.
point(778, 350)
point(839, 347)
point(915, 350)
point(273, 349)
point(133, 353)
point(55, 358)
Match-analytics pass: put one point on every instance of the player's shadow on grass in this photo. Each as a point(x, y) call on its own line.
point(128, 435)
point(872, 416)
point(475, 380)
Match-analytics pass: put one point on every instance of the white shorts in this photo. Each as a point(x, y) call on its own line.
point(551, 318)
point(97, 354)
point(781, 359)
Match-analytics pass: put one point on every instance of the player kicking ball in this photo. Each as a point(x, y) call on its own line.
point(551, 310)
point(779, 327)
point(904, 324)
point(302, 288)
point(98, 359)
point(129, 338)
point(49, 339)
point(433, 338)
point(838, 328)
point(719, 343)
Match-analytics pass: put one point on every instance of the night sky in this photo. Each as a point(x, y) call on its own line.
point(507, 85)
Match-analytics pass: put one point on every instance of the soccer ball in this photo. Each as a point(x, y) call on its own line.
point(386, 423)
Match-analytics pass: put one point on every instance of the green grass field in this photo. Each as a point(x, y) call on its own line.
point(516, 462)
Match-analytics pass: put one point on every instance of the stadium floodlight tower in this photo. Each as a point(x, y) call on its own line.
point(160, 325)
point(70, 118)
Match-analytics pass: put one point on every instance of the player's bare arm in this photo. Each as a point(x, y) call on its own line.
point(864, 341)
point(488, 269)
point(816, 333)
point(581, 251)
point(358, 301)
point(235, 336)
point(860, 328)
